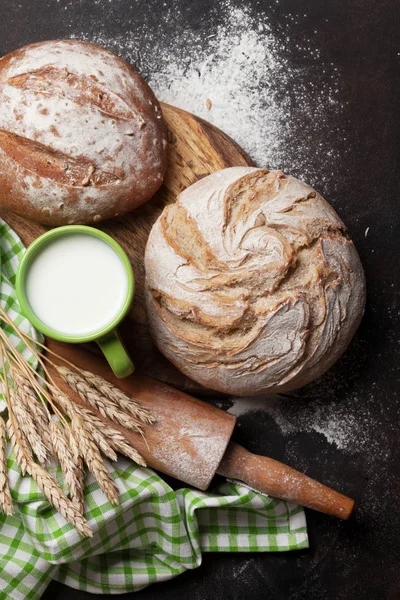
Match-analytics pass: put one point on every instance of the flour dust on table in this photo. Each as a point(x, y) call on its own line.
point(237, 72)
point(348, 428)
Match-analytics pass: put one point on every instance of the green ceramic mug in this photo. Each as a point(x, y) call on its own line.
point(44, 263)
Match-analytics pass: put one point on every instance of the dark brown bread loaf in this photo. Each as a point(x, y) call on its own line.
point(82, 137)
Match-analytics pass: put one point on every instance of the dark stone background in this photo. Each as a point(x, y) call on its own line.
point(358, 559)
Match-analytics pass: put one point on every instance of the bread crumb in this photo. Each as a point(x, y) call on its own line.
point(208, 104)
point(366, 232)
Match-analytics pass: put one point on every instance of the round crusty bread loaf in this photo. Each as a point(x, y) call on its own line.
point(252, 284)
point(82, 137)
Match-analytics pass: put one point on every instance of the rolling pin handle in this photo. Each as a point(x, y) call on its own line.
point(271, 477)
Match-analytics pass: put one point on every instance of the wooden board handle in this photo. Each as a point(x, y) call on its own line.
point(280, 481)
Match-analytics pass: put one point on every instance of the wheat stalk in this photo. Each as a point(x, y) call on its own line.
point(106, 407)
point(44, 480)
point(108, 390)
point(73, 442)
point(19, 365)
point(112, 393)
point(68, 509)
point(5, 496)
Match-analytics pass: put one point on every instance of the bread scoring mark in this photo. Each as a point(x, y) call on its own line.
point(249, 193)
point(231, 309)
point(182, 233)
point(267, 348)
point(51, 164)
point(51, 81)
point(128, 168)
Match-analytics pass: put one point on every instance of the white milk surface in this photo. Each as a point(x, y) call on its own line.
point(77, 284)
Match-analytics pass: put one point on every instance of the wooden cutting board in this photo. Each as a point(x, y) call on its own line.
point(196, 149)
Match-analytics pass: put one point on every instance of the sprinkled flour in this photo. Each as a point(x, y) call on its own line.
point(239, 70)
point(239, 74)
point(338, 424)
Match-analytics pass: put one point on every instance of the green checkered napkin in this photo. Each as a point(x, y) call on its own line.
point(11, 250)
point(155, 534)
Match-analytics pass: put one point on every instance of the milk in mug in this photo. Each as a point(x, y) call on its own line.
point(77, 284)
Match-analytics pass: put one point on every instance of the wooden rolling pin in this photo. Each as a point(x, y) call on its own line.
point(191, 441)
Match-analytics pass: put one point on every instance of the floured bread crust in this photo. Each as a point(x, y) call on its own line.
point(252, 284)
point(82, 137)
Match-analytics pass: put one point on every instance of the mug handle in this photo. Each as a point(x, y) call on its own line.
point(116, 354)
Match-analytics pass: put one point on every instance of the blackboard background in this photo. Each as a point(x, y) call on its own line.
point(358, 559)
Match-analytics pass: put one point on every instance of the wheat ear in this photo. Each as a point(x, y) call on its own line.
point(65, 456)
point(59, 500)
point(114, 437)
point(106, 407)
point(78, 497)
point(87, 449)
point(44, 481)
point(37, 409)
point(18, 444)
point(92, 457)
point(28, 425)
point(5, 495)
point(78, 493)
point(113, 393)
point(102, 432)
point(98, 436)
point(101, 440)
